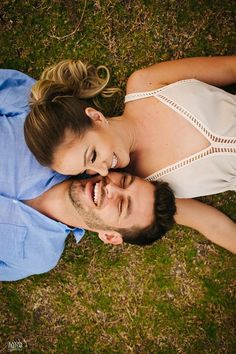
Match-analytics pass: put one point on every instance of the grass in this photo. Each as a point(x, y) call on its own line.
point(177, 296)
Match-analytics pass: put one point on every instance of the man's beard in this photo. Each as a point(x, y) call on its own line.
point(89, 216)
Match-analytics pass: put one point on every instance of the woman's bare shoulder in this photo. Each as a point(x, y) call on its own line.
point(141, 81)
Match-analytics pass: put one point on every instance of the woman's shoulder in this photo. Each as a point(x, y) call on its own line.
point(140, 81)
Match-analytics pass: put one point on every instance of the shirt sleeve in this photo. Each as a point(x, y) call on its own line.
point(14, 92)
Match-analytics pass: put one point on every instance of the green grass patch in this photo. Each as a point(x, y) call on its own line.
point(177, 296)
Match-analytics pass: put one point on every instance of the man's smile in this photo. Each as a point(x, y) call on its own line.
point(98, 193)
point(94, 189)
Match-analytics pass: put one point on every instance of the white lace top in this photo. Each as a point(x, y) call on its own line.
point(212, 112)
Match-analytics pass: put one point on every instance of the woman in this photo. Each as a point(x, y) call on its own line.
point(173, 128)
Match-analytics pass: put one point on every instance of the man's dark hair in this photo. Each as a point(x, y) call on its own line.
point(164, 211)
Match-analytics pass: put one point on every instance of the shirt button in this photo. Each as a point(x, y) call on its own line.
point(15, 201)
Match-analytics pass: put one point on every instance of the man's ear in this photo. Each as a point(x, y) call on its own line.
point(113, 237)
point(95, 115)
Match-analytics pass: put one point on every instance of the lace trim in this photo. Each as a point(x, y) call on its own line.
point(212, 150)
point(193, 120)
point(138, 95)
point(179, 109)
point(201, 127)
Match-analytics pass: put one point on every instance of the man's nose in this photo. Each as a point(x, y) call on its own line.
point(112, 190)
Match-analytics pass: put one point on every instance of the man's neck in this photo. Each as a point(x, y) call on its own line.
point(56, 204)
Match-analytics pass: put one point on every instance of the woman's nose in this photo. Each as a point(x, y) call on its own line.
point(102, 169)
point(99, 167)
point(91, 172)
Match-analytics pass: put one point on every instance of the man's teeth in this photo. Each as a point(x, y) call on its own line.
point(114, 161)
point(95, 194)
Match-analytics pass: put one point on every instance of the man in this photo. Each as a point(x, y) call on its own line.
point(119, 207)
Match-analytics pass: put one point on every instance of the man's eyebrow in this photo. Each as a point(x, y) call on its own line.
point(85, 158)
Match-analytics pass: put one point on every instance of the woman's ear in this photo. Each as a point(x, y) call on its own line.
point(95, 115)
point(113, 237)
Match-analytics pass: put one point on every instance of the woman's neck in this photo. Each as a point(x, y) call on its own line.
point(127, 131)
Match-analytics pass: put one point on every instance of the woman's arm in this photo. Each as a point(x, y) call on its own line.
point(218, 71)
point(209, 221)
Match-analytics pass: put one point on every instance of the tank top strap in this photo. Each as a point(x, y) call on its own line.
point(138, 95)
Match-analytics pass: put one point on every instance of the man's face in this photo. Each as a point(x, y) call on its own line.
point(115, 201)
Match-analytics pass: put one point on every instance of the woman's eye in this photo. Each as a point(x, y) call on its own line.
point(93, 157)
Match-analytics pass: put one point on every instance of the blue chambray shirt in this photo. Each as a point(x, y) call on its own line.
point(30, 243)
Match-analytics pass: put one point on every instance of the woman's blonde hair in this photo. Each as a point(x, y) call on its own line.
point(58, 102)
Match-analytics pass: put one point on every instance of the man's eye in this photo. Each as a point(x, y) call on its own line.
point(93, 157)
point(124, 182)
point(120, 206)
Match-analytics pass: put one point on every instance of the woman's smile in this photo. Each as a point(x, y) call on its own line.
point(114, 161)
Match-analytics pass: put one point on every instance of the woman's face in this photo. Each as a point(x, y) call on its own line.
point(97, 151)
